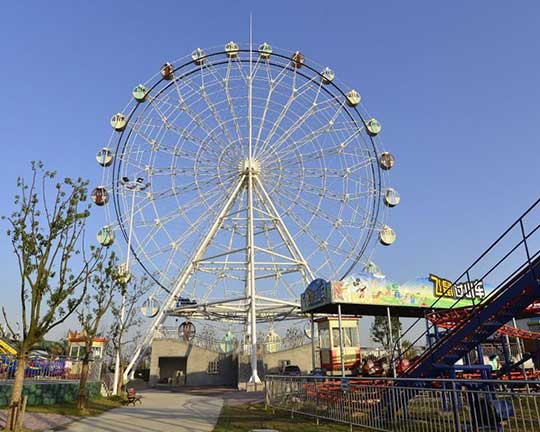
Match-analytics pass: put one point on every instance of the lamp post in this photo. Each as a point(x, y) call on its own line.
point(134, 186)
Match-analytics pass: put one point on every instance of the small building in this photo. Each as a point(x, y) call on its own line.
point(201, 362)
point(76, 345)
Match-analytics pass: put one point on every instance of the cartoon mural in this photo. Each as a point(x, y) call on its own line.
point(377, 289)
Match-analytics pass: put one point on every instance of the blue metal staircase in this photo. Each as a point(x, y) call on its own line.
point(508, 300)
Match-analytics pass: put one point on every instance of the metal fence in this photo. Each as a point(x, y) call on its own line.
point(225, 347)
point(49, 368)
point(411, 405)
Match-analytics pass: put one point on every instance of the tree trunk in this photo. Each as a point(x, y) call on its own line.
point(16, 391)
point(121, 370)
point(120, 380)
point(81, 401)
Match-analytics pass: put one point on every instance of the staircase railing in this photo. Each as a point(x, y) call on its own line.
point(523, 244)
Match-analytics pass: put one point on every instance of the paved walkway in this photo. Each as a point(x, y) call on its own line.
point(161, 411)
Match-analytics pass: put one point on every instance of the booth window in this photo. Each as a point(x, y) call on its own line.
point(324, 338)
point(350, 337)
point(213, 368)
point(335, 337)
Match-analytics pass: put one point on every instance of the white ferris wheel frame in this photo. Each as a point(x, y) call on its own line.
point(251, 307)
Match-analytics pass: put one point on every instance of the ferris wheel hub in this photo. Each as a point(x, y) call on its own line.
point(247, 166)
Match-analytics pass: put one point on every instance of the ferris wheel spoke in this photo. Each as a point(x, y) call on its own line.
point(298, 199)
point(308, 137)
point(315, 155)
point(240, 66)
point(316, 211)
point(215, 112)
point(295, 94)
point(291, 98)
point(328, 191)
point(154, 146)
point(273, 83)
point(183, 106)
point(226, 87)
point(303, 226)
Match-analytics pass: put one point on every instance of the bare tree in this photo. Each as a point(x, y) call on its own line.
point(48, 241)
point(102, 287)
point(120, 331)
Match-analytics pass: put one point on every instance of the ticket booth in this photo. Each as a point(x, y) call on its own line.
point(330, 347)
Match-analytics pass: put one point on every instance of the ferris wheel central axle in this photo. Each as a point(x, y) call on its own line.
point(249, 165)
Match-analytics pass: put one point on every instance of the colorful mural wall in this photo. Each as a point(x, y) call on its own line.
point(376, 289)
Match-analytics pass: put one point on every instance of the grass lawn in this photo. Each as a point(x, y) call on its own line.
point(243, 418)
point(95, 407)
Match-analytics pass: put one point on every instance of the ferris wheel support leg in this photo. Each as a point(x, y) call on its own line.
point(285, 234)
point(184, 278)
point(250, 291)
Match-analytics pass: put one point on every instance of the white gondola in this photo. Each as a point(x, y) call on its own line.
point(150, 307)
point(104, 157)
point(105, 236)
point(118, 122)
point(391, 197)
point(353, 98)
point(265, 51)
point(272, 342)
point(387, 161)
point(140, 92)
point(232, 49)
point(387, 236)
point(198, 56)
point(327, 75)
point(100, 196)
point(167, 71)
point(122, 274)
point(373, 127)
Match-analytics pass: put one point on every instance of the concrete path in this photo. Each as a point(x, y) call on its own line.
point(161, 411)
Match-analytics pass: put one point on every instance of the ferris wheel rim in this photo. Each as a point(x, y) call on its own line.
point(123, 141)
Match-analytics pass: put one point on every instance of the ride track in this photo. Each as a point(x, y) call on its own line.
point(452, 318)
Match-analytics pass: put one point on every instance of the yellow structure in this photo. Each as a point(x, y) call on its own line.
point(7, 349)
point(331, 347)
point(76, 345)
point(76, 350)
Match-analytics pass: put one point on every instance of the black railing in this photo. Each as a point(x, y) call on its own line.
point(523, 242)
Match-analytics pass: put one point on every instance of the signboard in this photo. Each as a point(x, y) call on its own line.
point(444, 288)
point(317, 293)
point(376, 289)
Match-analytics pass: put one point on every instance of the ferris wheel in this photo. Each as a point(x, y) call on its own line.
point(238, 175)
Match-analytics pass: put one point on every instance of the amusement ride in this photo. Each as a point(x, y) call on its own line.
point(238, 175)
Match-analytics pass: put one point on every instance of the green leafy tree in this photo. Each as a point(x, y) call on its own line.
point(46, 231)
point(408, 350)
point(103, 285)
point(380, 332)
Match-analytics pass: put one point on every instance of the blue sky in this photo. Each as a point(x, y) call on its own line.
point(455, 85)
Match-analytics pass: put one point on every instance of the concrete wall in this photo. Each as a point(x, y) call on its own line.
point(49, 393)
point(270, 363)
point(300, 357)
point(197, 361)
point(233, 370)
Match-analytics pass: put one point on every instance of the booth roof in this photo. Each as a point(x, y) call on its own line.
point(355, 309)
